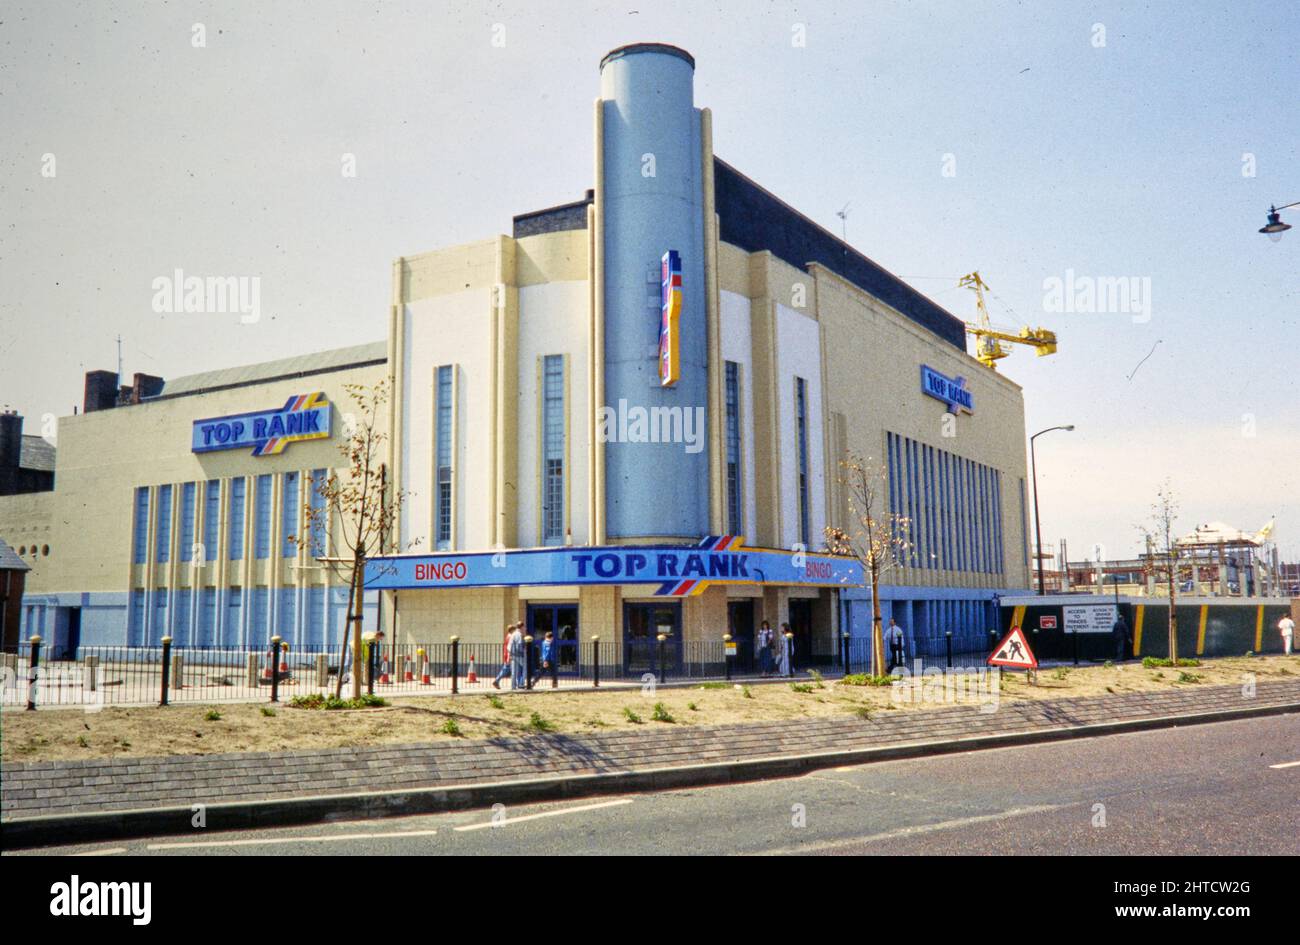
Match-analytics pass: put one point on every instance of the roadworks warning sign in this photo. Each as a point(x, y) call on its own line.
point(1013, 652)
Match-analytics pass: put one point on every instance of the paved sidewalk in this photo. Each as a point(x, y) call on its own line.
point(99, 785)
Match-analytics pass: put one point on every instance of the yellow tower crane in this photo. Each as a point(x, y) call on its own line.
point(988, 341)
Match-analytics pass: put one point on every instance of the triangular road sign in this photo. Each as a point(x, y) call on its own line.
point(1013, 652)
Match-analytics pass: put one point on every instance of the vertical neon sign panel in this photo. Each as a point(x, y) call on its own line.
point(670, 344)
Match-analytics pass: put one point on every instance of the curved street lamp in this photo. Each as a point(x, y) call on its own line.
point(1038, 525)
point(1275, 227)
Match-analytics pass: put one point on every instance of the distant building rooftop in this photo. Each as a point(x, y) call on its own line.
point(37, 454)
point(303, 365)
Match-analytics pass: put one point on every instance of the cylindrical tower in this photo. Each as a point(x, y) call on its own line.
point(653, 204)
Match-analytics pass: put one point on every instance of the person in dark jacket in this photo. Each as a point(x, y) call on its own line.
point(1121, 639)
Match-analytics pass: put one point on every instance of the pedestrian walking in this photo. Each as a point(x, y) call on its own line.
point(518, 655)
point(504, 671)
point(894, 637)
point(765, 649)
point(1286, 626)
point(1120, 639)
point(787, 650)
point(546, 666)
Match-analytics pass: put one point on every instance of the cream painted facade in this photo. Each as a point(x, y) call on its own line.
point(119, 576)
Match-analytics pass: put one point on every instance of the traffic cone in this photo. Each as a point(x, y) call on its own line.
point(383, 672)
point(473, 674)
point(408, 675)
point(424, 669)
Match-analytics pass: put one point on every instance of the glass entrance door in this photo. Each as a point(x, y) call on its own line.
point(642, 625)
point(561, 620)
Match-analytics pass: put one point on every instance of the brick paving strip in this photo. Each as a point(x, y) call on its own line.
point(84, 799)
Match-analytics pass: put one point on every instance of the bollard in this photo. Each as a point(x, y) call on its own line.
point(948, 643)
point(372, 658)
point(455, 665)
point(33, 664)
point(844, 652)
point(662, 638)
point(726, 656)
point(322, 670)
point(166, 668)
point(275, 669)
point(1076, 647)
point(595, 662)
point(253, 660)
point(789, 654)
point(91, 673)
point(528, 662)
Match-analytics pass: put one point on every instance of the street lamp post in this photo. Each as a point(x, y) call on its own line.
point(1038, 525)
point(1274, 228)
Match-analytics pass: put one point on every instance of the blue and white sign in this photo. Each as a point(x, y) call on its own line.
point(951, 390)
point(266, 432)
point(680, 571)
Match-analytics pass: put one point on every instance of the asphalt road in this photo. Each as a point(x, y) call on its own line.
point(1225, 788)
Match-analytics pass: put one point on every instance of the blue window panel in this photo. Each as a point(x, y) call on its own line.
point(289, 515)
point(259, 625)
point(735, 517)
point(994, 477)
point(286, 613)
point(233, 629)
point(1024, 528)
point(162, 551)
point(930, 534)
point(262, 520)
point(801, 442)
point(187, 521)
point(984, 519)
point(315, 627)
point(945, 540)
point(316, 501)
point(140, 539)
point(181, 629)
point(235, 534)
point(552, 449)
point(206, 634)
point(914, 501)
point(211, 518)
point(135, 630)
point(160, 628)
point(443, 453)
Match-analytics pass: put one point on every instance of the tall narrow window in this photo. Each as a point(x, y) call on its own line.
point(735, 518)
point(553, 449)
point(163, 546)
point(289, 515)
point(188, 491)
point(442, 513)
point(140, 541)
point(262, 519)
point(211, 518)
point(317, 503)
point(801, 438)
point(235, 537)
point(1024, 531)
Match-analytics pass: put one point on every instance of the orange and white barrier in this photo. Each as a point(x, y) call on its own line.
point(424, 668)
point(473, 673)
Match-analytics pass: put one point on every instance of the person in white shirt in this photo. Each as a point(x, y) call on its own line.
point(1287, 627)
point(894, 640)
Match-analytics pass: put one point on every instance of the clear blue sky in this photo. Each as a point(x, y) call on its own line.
point(1123, 160)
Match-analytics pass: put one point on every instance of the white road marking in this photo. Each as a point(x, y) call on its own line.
point(549, 813)
point(270, 840)
point(109, 852)
point(913, 831)
point(1289, 764)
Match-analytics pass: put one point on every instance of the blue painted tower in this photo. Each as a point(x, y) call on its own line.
point(653, 202)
